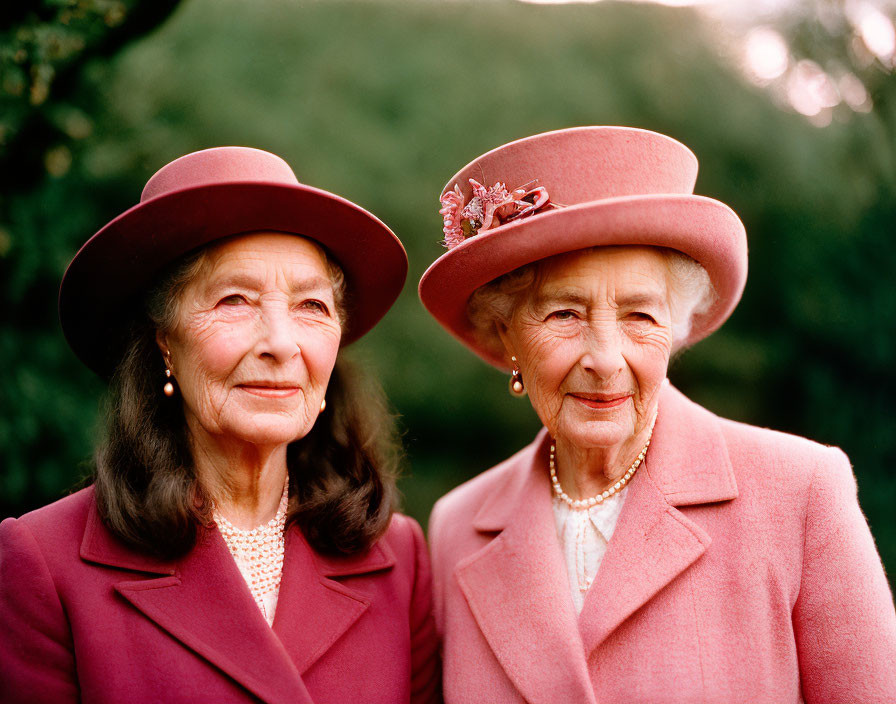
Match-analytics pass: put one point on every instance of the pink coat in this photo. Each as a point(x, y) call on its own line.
point(741, 570)
point(84, 616)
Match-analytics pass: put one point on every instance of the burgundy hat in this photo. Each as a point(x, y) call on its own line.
point(203, 197)
point(571, 189)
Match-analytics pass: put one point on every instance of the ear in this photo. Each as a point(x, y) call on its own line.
point(162, 342)
point(506, 340)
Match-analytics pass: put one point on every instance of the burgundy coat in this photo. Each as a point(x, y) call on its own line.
point(84, 616)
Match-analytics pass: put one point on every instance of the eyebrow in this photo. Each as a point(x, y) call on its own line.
point(576, 297)
point(563, 295)
point(247, 281)
point(640, 299)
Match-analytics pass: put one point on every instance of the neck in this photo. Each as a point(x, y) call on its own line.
point(245, 480)
point(587, 472)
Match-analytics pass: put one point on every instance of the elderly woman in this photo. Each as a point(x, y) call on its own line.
point(641, 549)
point(238, 542)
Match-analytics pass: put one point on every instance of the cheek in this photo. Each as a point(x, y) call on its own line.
point(546, 358)
point(214, 349)
point(648, 356)
point(534, 340)
point(319, 353)
point(548, 368)
point(222, 353)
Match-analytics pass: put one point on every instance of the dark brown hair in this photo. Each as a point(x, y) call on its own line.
point(341, 474)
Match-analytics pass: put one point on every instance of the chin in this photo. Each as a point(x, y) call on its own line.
point(274, 431)
point(596, 433)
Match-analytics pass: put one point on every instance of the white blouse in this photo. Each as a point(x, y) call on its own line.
point(584, 535)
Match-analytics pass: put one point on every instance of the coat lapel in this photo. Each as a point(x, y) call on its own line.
point(203, 601)
point(518, 591)
point(313, 609)
point(654, 542)
point(208, 607)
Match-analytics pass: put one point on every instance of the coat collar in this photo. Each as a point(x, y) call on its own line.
point(517, 584)
point(688, 463)
point(313, 609)
point(203, 601)
point(99, 545)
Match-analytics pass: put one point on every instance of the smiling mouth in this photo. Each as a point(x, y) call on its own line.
point(270, 389)
point(601, 401)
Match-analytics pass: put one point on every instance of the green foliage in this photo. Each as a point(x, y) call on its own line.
point(47, 207)
point(382, 103)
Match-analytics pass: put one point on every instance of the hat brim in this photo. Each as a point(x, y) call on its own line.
point(704, 229)
point(121, 260)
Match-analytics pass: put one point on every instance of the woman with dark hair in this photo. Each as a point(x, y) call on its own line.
point(239, 540)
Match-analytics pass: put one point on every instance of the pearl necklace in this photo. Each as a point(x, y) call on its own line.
point(580, 504)
point(259, 552)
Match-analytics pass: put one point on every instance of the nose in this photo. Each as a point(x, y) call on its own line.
point(602, 352)
point(278, 335)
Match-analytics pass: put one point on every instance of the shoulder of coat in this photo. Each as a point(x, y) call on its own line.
point(461, 504)
point(68, 513)
point(777, 457)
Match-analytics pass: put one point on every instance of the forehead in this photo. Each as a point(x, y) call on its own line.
point(262, 252)
point(629, 269)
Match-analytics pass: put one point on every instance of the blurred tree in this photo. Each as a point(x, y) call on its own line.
point(46, 119)
point(382, 102)
point(818, 314)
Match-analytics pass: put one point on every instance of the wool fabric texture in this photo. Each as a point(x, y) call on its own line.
point(741, 570)
point(85, 618)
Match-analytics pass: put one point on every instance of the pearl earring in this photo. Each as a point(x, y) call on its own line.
point(516, 381)
point(323, 405)
point(168, 388)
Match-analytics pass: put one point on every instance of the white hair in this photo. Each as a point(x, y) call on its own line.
point(691, 293)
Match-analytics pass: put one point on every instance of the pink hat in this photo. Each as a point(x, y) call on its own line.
point(572, 189)
point(203, 197)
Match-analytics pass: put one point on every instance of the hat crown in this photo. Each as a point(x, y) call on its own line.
point(218, 165)
point(587, 164)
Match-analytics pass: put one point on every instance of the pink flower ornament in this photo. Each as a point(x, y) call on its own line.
point(488, 208)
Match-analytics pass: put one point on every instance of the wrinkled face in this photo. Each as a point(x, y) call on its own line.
point(256, 339)
point(592, 339)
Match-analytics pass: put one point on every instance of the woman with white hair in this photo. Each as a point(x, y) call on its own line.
point(641, 548)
